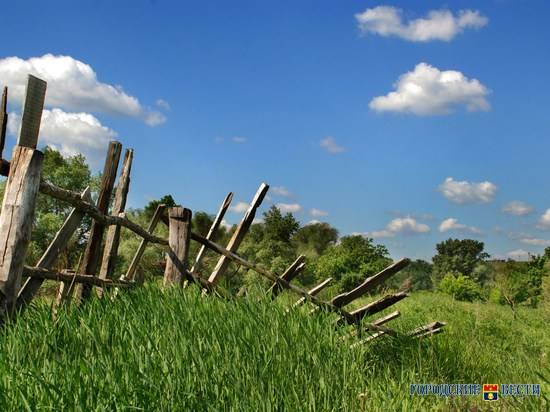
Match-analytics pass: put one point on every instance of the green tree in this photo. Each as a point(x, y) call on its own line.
point(149, 209)
point(312, 240)
point(460, 287)
point(416, 276)
point(459, 256)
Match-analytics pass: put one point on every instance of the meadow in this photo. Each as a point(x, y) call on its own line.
point(154, 349)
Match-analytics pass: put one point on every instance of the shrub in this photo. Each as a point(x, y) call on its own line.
point(460, 287)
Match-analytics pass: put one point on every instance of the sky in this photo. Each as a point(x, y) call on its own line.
point(406, 121)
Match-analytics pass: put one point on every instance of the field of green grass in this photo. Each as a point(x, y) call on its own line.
point(174, 350)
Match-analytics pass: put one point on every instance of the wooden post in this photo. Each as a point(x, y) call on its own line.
point(289, 274)
point(215, 225)
point(93, 247)
point(58, 244)
point(377, 306)
point(314, 291)
point(131, 273)
point(239, 234)
point(178, 238)
point(17, 215)
point(3, 120)
point(112, 238)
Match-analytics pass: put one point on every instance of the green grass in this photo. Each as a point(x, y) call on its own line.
point(173, 350)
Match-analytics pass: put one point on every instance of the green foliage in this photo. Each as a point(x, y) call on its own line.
point(149, 209)
point(279, 227)
point(459, 256)
point(416, 276)
point(312, 240)
point(460, 287)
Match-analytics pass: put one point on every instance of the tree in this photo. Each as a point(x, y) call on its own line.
point(312, 240)
point(459, 257)
point(150, 208)
point(416, 276)
point(353, 259)
point(279, 227)
point(460, 287)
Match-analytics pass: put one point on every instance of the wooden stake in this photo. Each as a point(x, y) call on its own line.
point(215, 225)
point(32, 112)
point(240, 233)
point(93, 247)
point(289, 274)
point(3, 120)
point(312, 292)
point(112, 238)
point(179, 237)
point(377, 306)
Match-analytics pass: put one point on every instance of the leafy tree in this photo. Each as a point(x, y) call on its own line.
point(416, 276)
point(353, 259)
point(279, 227)
point(460, 287)
point(459, 257)
point(312, 240)
point(149, 209)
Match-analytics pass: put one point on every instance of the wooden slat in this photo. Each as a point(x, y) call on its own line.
point(314, 291)
point(3, 120)
point(92, 252)
point(57, 245)
point(112, 237)
point(377, 306)
point(131, 272)
point(213, 229)
point(16, 219)
point(179, 236)
point(240, 233)
point(426, 328)
point(43, 273)
point(289, 274)
point(370, 283)
point(32, 112)
point(378, 322)
point(429, 333)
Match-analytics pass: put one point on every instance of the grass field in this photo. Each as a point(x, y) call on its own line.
point(173, 350)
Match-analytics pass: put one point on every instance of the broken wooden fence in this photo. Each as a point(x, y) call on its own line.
point(97, 266)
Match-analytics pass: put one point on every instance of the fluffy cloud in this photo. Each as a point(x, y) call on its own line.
point(443, 25)
point(317, 212)
point(73, 86)
point(70, 133)
point(544, 221)
point(408, 225)
point(518, 254)
point(239, 207)
point(468, 192)
point(281, 191)
point(329, 144)
point(289, 207)
point(429, 91)
point(532, 241)
point(453, 224)
point(518, 208)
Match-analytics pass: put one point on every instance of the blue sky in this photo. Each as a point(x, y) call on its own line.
point(218, 96)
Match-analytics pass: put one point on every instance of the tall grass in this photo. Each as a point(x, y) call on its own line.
point(174, 350)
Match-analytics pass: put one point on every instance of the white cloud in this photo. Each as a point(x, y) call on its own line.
point(163, 104)
point(468, 192)
point(239, 207)
point(544, 221)
point(70, 133)
point(452, 224)
point(73, 86)
point(518, 254)
point(313, 222)
point(535, 241)
point(238, 139)
point(281, 191)
point(317, 212)
point(226, 224)
point(329, 144)
point(443, 25)
point(408, 225)
point(518, 208)
point(289, 207)
point(429, 91)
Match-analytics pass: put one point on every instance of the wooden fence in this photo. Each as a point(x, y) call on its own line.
point(19, 283)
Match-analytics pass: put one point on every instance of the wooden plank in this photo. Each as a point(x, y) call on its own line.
point(91, 280)
point(426, 328)
point(16, 219)
point(57, 245)
point(289, 274)
point(32, 112)
point(378, 322)
point(240, 233)
point(3, 120)
point(213, 229)
point(112, 238)
point(377, 306)
point(429, 333)
point(179, 237)
point(314, 291)
point(369, 284)
point(131, 272)
point(92, 252)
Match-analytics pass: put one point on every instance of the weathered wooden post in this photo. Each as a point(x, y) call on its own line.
point(178, 251)
point(112, 238)
point(93, 247)
point(17, 214)
point(3, 120)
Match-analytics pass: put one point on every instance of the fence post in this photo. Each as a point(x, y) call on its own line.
point(178, 251)
point(3, 120)
point(93, 247)
point(19, 200)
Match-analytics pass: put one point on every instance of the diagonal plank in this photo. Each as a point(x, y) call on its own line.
point(289, 274)
point(376, 306)
point(314, 291)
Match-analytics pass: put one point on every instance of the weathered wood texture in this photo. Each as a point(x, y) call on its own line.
point(240, 233)
point(16, 221)
point(92, 252)
point(213, 229)
point(179, 237)
point(314, 291)
point(112, 238)
point(423, 330)
point(43, 273)
point(377, 306)
point(134, 264)
point(32, 112)
point(377, 322)
point(369, 284)
point(3, 120)
point(289, 274)
point(57, 245)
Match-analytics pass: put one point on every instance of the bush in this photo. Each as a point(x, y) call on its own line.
point(460, 287)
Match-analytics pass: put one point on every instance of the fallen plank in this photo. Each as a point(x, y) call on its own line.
point(426, 328)
point(377, 306)
point(314, 291)
point(289, 274)
point(91, 280)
